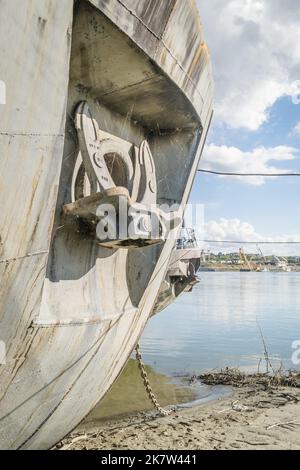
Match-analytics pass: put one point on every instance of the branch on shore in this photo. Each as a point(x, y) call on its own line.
point(238, 379)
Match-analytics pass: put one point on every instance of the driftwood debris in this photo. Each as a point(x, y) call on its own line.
point(236, 378)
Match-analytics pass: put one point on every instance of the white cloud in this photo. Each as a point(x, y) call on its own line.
point(255, 49)
point(296, 130)
point(233, 160)
point(230, 229)
point(236, 230)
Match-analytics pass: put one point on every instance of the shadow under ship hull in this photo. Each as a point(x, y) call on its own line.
point(71, 309)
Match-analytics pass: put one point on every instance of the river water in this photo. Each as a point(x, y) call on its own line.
point(222, 321)
point(219, 324)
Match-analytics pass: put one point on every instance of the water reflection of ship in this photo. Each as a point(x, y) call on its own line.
point(182, 271)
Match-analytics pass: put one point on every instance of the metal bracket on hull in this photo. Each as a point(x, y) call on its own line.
point(114, 187)
point(182, 270)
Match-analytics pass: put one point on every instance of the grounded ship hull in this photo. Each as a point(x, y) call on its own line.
point(71, 310)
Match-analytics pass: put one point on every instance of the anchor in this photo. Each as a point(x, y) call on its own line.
point(114, 187)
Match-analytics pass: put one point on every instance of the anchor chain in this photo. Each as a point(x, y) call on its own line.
point(147, 385)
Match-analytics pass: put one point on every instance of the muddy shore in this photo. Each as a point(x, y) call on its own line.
point(255, 416)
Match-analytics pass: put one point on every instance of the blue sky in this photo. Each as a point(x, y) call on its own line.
point(256, 127)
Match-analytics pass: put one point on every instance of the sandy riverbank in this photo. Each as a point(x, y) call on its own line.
point(254, 417)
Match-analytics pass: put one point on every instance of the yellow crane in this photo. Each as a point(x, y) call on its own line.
point(245, 260)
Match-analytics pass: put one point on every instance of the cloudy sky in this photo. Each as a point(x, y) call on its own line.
point(255, 50)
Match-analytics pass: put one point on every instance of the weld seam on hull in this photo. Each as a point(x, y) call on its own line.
point(117, 90)
point(160, 39)
point(29, 134)
point(2, 261)
point(66, 323)
point(64, 396)
point(95, 344)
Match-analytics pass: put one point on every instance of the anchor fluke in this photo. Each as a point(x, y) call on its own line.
point(117, 188)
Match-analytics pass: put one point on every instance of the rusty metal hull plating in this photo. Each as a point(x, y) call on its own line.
point(71, 311)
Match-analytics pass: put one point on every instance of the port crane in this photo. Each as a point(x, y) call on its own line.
point(282, 263)
point(263, 257)
point(261, 253)
point(245, 260)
